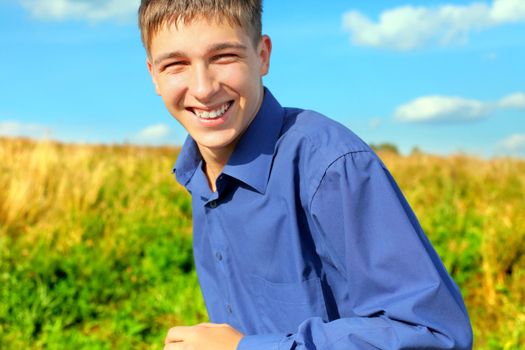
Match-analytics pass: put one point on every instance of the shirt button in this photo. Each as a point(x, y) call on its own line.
point(213, 204)
point(218, 255)
point(229, 309)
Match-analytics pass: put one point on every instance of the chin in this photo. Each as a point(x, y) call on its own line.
point(216, 143)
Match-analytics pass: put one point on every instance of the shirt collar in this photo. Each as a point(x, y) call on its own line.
point(252, 158)
point(188, 161)
point(251, 161)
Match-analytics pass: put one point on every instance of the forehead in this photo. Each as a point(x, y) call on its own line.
point(197, 35)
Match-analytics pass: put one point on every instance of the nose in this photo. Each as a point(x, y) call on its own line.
point(203, 85)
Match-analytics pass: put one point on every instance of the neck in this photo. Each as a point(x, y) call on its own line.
point(214, 162)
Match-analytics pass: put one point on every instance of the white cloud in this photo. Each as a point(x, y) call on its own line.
point(513, 144)
point(92, 10)
point(508, 11)
point(14, 128)
point(409, 27)
point(451, 108)
point(434, 108)
point(154, 133)
point(516, 100)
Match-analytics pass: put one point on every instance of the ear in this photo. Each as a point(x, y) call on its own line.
point(265, 51)
point(151, 71)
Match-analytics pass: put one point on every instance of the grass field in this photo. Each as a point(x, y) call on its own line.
point(95, 243)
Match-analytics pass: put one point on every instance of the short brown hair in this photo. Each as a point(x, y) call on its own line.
point(154, 14)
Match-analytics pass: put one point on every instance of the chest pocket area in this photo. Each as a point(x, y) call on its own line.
point(283, 307)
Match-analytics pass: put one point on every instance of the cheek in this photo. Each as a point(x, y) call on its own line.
point(172, 88)
point(236, 77)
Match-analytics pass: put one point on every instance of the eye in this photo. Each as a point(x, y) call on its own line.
point(225, 57)
point(174, 65)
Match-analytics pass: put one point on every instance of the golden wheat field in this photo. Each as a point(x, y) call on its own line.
point(95, 243)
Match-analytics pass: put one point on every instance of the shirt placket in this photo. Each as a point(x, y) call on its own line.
point(220, 252)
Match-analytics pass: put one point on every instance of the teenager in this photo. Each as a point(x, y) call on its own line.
point(302, 239)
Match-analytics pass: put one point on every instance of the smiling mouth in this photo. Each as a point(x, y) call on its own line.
point(213, 114)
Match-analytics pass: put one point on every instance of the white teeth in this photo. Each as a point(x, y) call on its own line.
point(213, 114)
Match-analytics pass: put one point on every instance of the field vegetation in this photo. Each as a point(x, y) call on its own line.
point(95, 243)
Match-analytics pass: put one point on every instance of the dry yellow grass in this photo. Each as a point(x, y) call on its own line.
point(46, 183)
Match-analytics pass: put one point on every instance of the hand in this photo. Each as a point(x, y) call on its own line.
point(204, 336)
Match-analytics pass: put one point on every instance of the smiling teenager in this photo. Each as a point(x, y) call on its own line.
point(208, 72)
point(302, 239)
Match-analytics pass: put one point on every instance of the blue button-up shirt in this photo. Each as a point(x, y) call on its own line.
point(308, 243)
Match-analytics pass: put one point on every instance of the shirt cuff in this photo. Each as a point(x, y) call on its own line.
point(266, 342)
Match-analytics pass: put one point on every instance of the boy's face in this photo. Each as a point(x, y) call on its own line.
point(209, 76)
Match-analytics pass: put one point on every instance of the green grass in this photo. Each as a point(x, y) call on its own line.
point(112, 272)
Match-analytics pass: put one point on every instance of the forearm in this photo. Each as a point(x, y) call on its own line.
point(363, 333)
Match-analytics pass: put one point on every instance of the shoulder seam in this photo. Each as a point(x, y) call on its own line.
point(328, 167)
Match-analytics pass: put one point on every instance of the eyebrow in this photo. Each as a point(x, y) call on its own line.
point(215, 47)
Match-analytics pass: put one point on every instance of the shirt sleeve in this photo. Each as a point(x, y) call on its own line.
point(400, 295)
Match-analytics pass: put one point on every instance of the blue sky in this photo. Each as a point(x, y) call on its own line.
point(443, 76)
